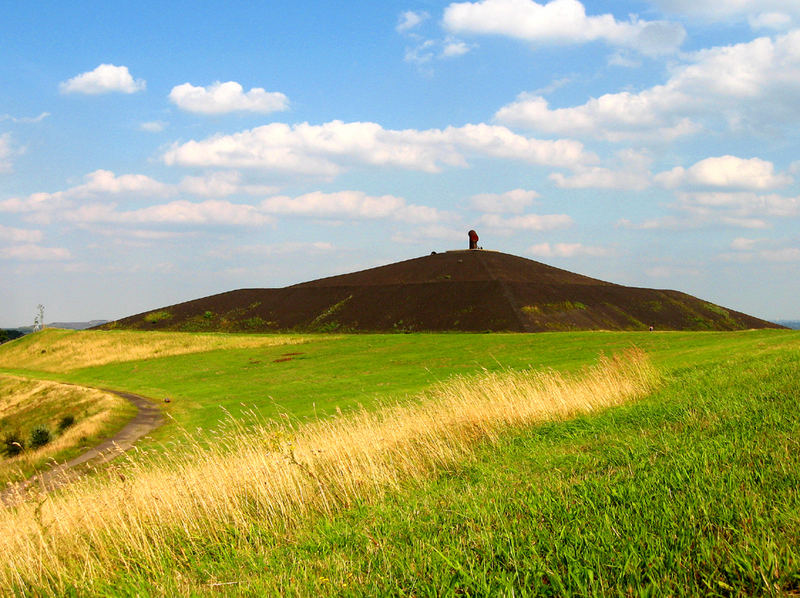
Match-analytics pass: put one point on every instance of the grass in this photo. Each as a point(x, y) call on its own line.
point(146, 517)
point(25, 404)
point(60, 351)
point(691, 490)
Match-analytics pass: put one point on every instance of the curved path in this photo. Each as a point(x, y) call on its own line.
point(147, 419)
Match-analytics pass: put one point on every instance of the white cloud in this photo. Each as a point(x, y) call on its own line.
point(454, 47)
point(743, 244)
point(771, 20)
point(615, 117)
point(422, 53)
point(561, 22)
point(24, 119)
point(220, 98)
point(105, 185)
point(726, 172)
point(754, 84)
point(569, 250)
point(153, 126)
point(787, 254)
point(514, 201)
point(410, 20)
point(5, 152)
point(526, 222)
point(742, 209)
point(105, 182)
point(350, 204)
point(221, 184)
point(212, 212)
point(629, 170)
point(19, 235)
point(106, 78)
point(759, 13)
point(333, 147)
point(34, 253)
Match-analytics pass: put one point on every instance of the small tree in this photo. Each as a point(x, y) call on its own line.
point(40, 435)
point(13, 443)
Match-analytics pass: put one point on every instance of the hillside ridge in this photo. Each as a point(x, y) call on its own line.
point(462, 290)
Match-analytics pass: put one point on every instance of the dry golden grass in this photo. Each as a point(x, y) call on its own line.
point(27, 403)
point(55, 350)
point(150, 517)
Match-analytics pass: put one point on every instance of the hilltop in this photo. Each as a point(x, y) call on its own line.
point(465, 290)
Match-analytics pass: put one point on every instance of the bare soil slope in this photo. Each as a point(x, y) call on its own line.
point(458, 290)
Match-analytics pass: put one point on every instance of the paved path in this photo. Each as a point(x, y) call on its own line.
point(147, 419)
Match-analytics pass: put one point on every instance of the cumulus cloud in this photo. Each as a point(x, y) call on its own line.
point(787, 254)
point(153, 126)
point(454, 47)
point(350, 204)
point(753, 84)
point(740, 209)
point(19, 235)
point(631, 170)
point(24, 119)
point(336, 146)
point(34, 253)
point(222, 184)
point(561, 22)
point(106, 78)
point(569, 250)
point(526, 222)
point(212, 212)
point(221, 98)
point(743, 244)
point(728, 172)
point(410, 20)
point(759, 13)
point(514, 201)
point(624, 116)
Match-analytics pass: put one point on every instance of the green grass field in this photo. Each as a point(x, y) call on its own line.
point(691, 490)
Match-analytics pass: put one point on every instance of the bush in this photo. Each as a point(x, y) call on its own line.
point(40, 436)
point(66, 422)
point(13, 443)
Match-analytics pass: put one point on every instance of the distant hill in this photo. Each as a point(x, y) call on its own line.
point(466, 290)
point(794, 324)
point(77, 325)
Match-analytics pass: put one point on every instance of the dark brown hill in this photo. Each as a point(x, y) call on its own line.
point(458, 290)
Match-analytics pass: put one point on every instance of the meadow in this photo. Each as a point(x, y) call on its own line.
point(430, 464)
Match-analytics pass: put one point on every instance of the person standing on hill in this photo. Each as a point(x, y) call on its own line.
point(473, 239)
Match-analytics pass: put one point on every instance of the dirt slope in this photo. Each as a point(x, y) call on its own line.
point(457, 290)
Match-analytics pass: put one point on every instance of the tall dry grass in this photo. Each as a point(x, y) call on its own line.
point(55, 350)
point(27, 403)
point(147, 518)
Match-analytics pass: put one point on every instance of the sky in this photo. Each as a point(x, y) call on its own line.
point(153, 153)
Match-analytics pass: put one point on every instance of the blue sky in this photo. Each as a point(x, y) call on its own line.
point(153, 153)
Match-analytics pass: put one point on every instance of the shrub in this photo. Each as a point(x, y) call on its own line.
point(66, 422)
point(13, 443)
point(157, 316)
point(40, 435)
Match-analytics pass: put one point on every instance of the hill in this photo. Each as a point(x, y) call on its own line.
point(452, 291)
